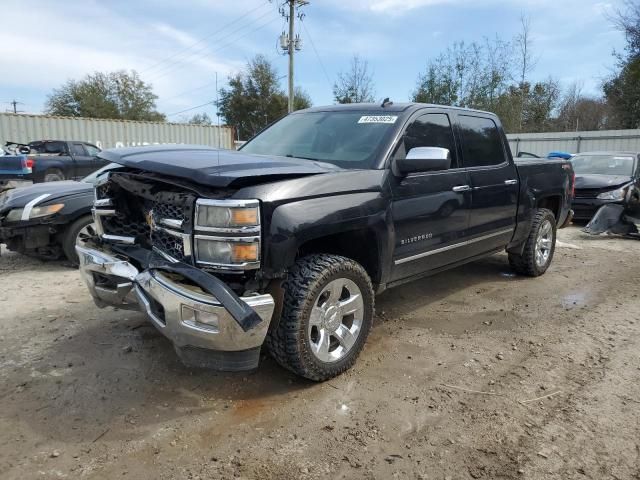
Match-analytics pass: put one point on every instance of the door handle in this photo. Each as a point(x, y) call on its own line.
point(461, 188)
point(511, 182)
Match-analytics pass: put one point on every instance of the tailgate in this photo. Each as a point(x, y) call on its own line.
point(15, 166)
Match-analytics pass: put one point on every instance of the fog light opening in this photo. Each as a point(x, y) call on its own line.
point(200, 319)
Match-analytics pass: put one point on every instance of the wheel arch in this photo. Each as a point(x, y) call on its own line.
point(551, 202)
point(355, 226)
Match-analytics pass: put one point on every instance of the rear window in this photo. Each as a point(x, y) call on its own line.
point(48, 147)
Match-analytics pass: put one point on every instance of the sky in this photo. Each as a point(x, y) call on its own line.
point(178, 46)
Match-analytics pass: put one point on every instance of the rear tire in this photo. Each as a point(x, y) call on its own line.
point(82, 227)
point(539, 248)
point(326, 318)
point(53, 175)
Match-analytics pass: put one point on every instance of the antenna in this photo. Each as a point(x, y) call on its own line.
point(386, 103)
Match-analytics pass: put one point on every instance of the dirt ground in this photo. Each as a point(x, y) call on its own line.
point(474, 373)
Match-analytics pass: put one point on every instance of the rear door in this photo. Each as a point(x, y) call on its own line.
point(430, 209)
point(84, 162)
point(494, 182)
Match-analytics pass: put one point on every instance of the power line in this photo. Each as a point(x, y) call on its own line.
point(197, 89)
point(14, 103)
point(313, 46)
point(189, 109)
point(206, 37)
point(169, 68)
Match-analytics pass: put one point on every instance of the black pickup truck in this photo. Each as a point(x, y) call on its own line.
point(286, 242)
point(50, 160)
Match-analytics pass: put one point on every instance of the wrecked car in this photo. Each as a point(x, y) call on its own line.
point(45, 220)
point(608, 191)
point(285, 242)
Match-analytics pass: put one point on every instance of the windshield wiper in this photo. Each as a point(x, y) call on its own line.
point(288, 155)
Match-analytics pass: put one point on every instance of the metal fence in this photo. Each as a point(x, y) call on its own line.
point(109, 133)
point(575, 142)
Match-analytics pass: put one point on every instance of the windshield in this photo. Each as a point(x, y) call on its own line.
point(345, 139)
point(94, 176)
point(603, 165)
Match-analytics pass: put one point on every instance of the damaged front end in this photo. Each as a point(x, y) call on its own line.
point(617, 219)
point(147, 258)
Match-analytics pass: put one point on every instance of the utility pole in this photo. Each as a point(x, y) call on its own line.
point(217, 112)
point(15, 104)
point(291, 42)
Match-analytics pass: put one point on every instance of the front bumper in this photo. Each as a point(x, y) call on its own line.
point(27, 238)
point(586, 208)
point(170, 304)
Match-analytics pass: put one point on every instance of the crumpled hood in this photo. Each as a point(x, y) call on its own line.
point(19, 197)
point(601, 181)
point(213, 167)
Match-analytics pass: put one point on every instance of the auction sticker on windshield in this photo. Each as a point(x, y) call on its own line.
point(378, 119)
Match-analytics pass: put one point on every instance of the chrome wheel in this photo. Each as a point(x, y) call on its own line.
point(87, 232)
point(336, 320)
point(544, 243)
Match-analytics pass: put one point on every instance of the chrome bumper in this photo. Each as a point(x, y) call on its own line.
point(171, 305)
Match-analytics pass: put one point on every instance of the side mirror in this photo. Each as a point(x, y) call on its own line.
point(424, 159)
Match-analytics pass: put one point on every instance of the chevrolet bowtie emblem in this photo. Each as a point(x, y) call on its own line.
point(149, 218)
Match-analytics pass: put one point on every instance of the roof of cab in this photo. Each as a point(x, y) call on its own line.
point(388, 108)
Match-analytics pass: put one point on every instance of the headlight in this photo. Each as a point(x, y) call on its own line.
point(227, 215)
point(16, 214)
point(243, 252)
point(618, 194)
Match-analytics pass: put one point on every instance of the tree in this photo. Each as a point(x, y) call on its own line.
point(540, 102)
point(116, 95)
point(622, 90)
point(579, 112)
point(254, 98)
point(355, 85)
point(436, 86)
point(200, 119)
point(524, 46)
point(467, 75)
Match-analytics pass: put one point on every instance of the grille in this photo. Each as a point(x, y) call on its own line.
point(167, 210)
point(169, 244)
point(588, 192)
point(119, 226)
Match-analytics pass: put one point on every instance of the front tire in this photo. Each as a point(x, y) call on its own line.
point(326, 318)
point(82, 229)
point(540, 247)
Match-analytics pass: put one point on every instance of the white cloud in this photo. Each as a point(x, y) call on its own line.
point(68, 40)
point(400, 7)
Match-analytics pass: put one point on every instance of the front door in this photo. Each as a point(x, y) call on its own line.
point(430, 209)
point(494, 180)
point(83, 162)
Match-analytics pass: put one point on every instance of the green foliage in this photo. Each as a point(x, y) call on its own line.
point(200, 119)
point(254, 98)
point(355, 85)
point(622, 90)
point(481, 76)
point(115, 95)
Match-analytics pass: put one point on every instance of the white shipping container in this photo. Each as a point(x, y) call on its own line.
point(575, 142)
point(110, 133)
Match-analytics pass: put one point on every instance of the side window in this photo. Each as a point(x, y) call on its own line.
point(77, 149)
point(481, 142)
point(430, 130)
point(93, 151)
